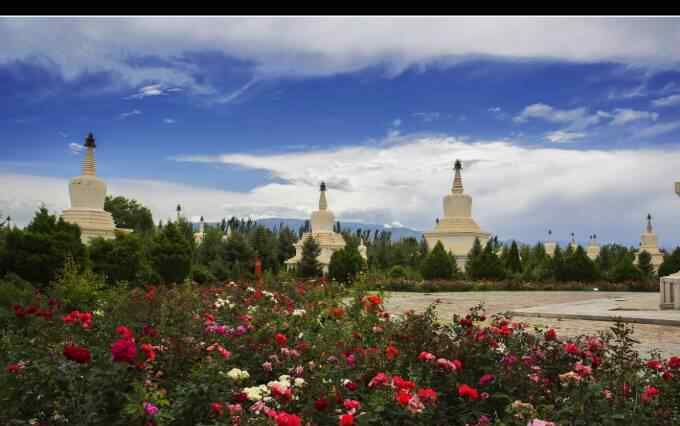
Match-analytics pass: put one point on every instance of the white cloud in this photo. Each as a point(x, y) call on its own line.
point(75, 148)
point(667, 101)
point(169, 121)
point(233, 96)
point(315, 45)
point(657, 129)
point(124, 115)
point(153, 90)
point(634, 92)
point(562, 136)
point(427, 116)
point(396, 123)
point(517, 191)
point(577, 118)
point(623, 116)
point(495, 109)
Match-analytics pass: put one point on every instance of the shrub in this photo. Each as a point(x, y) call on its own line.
point(78, 289)
point(437, 264)
point(398, 272)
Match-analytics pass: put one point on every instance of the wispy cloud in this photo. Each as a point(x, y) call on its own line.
point(63, 134)
point(667, 101)
point(75, 148)
point(233, 96)
point(562, 136)
point(657, 129)
point(168, 121)
point(495, 109)
point(153, 90)
point(396, 122)
point(428, 116)
point(623, 116)
point(577, 118)
point(629, 93)
point(124, 115)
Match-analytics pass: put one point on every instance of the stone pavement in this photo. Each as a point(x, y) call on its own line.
point(534, 307)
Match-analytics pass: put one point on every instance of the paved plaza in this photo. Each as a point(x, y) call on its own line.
point(571, 313)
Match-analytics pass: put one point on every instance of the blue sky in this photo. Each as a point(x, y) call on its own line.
point(571, 124)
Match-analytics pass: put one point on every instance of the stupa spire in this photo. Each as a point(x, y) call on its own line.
point(89, 163)
point(649, 223)
point(457, 180)
point(323, 204)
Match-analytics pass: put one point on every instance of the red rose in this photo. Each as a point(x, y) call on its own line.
point(124, 350)
point(346, 420)
point(77, 354)
point(351, 386)
point(467, 391)
point(285, 419)
point(124, 331)
point(321, 404)
point(281, 339)
point(486, 379)
point(391, 352)
point(427, 395)
point(551, 334)
point(217, 409)
point(403, 397)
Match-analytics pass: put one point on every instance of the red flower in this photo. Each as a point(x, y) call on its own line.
point(77, 354)
point(150, 294)
point(338, 312)
point(124, 350)
point(649, 393)
point(551, 334)
point(285, 419)
point(321, 404)
point(149, 331)
point(403, 397)
point(674, 362)
point(346, 420)
point(426, 356)
point(351, 404)
point(351, 386)
point(571, 348)
point(374, 299)
point(391, 352)
point(217, 409)
point(148, 351)
point(427, 395)
point(654, 364)
point(402, 384)
point(124, 331)
point(77, 317)
point(486, 379)
point(15, 368)
point(281, 339)
point(466, 391)
point(19, 311)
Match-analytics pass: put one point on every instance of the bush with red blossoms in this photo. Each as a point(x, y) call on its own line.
point(314, 353)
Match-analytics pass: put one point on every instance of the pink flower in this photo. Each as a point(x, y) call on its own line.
point(150, 409)
point(537, 422)
point(380, 379)
point(487, 378)
point(571, 348)
point(649, 393)
point(426, 356)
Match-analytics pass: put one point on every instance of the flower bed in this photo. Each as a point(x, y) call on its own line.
point(295, 354)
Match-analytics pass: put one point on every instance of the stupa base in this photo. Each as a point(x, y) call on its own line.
point(457, 243)
point(93, 223)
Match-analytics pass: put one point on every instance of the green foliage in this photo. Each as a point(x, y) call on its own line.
point(645, 264)
point(512, 262)
point(670, 264)
point(120, 259)
point(129, 214)
point(346, 263)
point(309, 266)
point(488, 265)
point(202, 274)
point(625, 270)
point(39, 252)
point(578, 267)
point(78, 289)
point(13, 290)
point(398, 272)
point(171, 255)
point(437, 264)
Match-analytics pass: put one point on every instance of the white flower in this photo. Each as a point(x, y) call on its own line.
point(299, 382)
point(235, 374)
point(299, 312)
point(256, 393)
point(98, 313)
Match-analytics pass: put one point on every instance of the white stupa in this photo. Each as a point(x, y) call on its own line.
point(322, 222)
point(200, 235)
point(573, 244)
point(87, 193)
point(593, 249)
point(457, 230)
point(649, 243)
point(550, 245)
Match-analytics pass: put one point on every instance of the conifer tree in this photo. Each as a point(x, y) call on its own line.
point(513, 263)
point(645, 264)
point(437, 264)
point(309, 266)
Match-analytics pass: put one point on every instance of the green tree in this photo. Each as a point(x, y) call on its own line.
point(437, 264)
point(171, 254)
point(578, 267)
point(645, 264)
point(472, 264)
point(38, 252)
point(120, 259)
point(129, 214)
point(490, 265)
point(557, 264)
point(346, 263)
point(625, 270)
point(286, 240)
point(265, 245)
point(513, 263)
point(670, 264)
point(309, 266)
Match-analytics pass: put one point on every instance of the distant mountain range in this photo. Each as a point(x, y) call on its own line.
point(295, 224)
